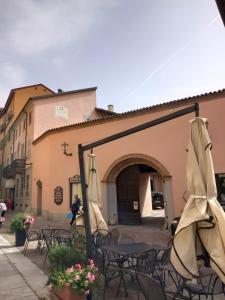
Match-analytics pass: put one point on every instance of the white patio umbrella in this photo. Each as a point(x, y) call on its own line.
point(97, 221)
point(202, 224)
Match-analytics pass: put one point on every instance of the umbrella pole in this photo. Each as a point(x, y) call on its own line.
point(85, 202)
point(81, 149)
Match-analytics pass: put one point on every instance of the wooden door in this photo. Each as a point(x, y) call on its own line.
point(128, 196)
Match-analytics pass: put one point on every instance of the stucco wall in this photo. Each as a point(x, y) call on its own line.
point(166, 143)
point(63, 110)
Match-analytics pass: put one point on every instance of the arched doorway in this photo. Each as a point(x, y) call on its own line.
point(139, 194)
point(130, 184)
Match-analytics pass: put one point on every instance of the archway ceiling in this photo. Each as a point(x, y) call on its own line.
point(133, 159)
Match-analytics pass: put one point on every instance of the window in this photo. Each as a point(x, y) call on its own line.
point(22, 151)
point(28, 148)
point(24, 124)
point(27, 185)
point(21, 186)
point(30, 118)
point(19, 130)
point(17, 187)
point(18, 150)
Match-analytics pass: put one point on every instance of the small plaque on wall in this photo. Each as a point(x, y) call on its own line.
point(58, 195)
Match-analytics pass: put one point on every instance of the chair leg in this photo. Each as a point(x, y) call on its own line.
point(25, 247)
point(45, 257)
point(124, 284)
point(119, 284)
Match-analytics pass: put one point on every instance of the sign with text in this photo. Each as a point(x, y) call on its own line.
point(58, 195)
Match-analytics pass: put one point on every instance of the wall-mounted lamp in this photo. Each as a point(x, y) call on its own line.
point(65, 145)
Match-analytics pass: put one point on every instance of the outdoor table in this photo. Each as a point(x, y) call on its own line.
point(125, 257)
point(132, 249)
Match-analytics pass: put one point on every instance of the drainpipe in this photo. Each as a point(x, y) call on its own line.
point(25, 146)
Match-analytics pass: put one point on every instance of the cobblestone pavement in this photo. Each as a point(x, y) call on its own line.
point(19, 277)
point(150, 232)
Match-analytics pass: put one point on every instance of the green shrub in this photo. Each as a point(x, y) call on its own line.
point(17, 222)
point(61, 257)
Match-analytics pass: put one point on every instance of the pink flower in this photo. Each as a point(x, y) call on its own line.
point(90, 276)
point(78, 266)
point(32, 220)
point(77, 278)
point(91, 262)
point(87, 292)
point(69, 270)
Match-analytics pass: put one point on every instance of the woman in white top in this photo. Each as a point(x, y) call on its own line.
point(3, 208)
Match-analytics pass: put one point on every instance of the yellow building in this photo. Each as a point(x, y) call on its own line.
point(29, 112)
point(14, 124)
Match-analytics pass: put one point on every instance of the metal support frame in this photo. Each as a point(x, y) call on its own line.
point(82, 149)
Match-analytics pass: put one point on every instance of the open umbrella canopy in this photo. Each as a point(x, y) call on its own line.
point(202, 225)
point(96, 219)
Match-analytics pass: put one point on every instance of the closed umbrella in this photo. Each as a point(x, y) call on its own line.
point(97, 221)
point(202, 224)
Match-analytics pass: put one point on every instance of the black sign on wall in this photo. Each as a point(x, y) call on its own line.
point(58, 195)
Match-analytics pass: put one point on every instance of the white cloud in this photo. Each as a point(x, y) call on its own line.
point(35, 26)
point(12, 76)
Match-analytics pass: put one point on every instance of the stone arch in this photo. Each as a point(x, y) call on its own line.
point(110, 190)
point(133, 159)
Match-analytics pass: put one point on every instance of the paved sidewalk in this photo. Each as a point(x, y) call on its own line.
point(19, 277)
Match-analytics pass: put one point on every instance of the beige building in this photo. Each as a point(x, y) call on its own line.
point(28, 113)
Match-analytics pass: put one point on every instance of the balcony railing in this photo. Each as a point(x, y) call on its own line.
point(16, 167)
point(9, 172)
point(19, 165)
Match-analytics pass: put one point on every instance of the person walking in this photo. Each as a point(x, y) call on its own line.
point(75, 208)
point(3, 208)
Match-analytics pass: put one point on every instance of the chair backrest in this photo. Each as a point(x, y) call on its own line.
point(146, 262)
point(166, 257)
point(151, 288)
point(125, 239)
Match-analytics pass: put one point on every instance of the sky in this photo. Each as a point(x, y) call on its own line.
point(137, 52)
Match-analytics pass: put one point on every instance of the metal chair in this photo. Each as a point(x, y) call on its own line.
point(206, 284)
point(100, 239)
point(64, 236)
point(153, 288)
point(50, 239)
point(169, 277)
point(146, 262)
point(114, 268)
point(32, 236)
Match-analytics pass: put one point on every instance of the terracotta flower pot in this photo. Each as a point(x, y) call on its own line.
point(66, 293)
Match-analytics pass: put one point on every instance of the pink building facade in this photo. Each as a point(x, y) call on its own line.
point(130, 169)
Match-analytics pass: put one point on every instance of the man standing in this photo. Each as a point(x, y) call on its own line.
point(75, 208)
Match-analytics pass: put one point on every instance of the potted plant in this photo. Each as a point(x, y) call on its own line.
point(75, 283)
point(20, 224)
point(62, 256)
